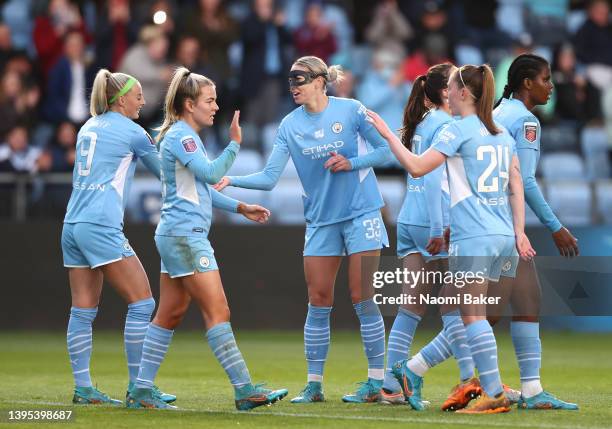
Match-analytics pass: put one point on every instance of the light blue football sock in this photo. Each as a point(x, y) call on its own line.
point(316, 340)
point(136, 324)
point(484, 352)
point(528, 349)
point(454, 331)
point(221, 341)
point(154, 349)
point(79, 340)
point(437, 350)
point(398, 346)
point(372, 337)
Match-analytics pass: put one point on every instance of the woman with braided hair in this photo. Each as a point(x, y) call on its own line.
point(529, 85)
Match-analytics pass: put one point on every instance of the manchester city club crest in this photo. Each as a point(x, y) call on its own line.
point(337, 127)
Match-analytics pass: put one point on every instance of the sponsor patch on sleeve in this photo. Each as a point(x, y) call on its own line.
point(530, 131)
point(445, 136)
point(189, 144)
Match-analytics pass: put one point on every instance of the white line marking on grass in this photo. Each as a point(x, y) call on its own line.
point(423, 420)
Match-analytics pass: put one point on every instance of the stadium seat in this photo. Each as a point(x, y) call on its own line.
point(603, 194)
point(571, 201)
point(248, 161)
point(286, 203)
point(393, 191)
point(562, 166)
point(594, 143)
point(558, 138)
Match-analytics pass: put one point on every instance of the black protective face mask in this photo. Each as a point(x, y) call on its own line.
point(295, 74)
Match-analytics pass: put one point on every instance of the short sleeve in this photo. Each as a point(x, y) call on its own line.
point(143, 144)
point(447, 140)
point(185, 148)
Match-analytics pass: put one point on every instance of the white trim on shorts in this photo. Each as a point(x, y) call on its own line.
point(76, 266)
point(106, 263)
point(178, 275)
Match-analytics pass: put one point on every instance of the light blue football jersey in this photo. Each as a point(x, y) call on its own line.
point(525, 128)
point(186, 175)
point(107, 149)
point(478, 167)
point(309, 138)
point(427, 198)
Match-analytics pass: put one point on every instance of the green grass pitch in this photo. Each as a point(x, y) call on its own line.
point(35, 374)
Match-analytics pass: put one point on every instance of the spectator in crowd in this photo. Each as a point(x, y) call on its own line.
point(146, 60)
point(546, 21)
point(593, 43)
point(187, 54)
point(479, 35)
point(6, 45)
point(68, 82)
point(383, 88)
point(17, 14)
point(570, 86)
point(62, 148)
point(315, 36)
point(434, 51)
point(49, 30)
point(18, 102)
point(389, 29)
point(115, 33)
point(265, 41)
point(215, 30)
point(433, 21)
point(594, 39)
point(16, 155)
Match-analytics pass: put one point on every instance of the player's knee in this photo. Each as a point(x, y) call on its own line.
point(171, 319)
point(320, 298)
point(219, 315)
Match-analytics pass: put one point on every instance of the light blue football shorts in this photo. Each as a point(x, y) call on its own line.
point(360, 234)
point(183, 256)
point(414, 239)
point(88, 245)
point(493, 255)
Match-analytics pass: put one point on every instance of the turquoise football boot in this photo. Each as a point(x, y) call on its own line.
point(368, 391)
point(252, 396)
point(545, 401)
point(146, 398)
point(313, 392)
point(411, 385)
point(166, 397)
point(91, 395)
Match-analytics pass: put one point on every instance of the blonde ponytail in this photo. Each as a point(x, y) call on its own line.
point(184, 85)
point(106, 85)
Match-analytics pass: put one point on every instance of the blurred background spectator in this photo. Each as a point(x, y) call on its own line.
point(50, 50)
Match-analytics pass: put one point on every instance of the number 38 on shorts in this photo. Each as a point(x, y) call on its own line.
point(361, 234)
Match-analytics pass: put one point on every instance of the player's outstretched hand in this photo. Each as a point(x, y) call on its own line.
point(222, 184)
point(435, 245)
point(524, 248)
point(337, 163)
point(254, 212)
point(235, 132)
point(380, 124)
point(566, 243)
